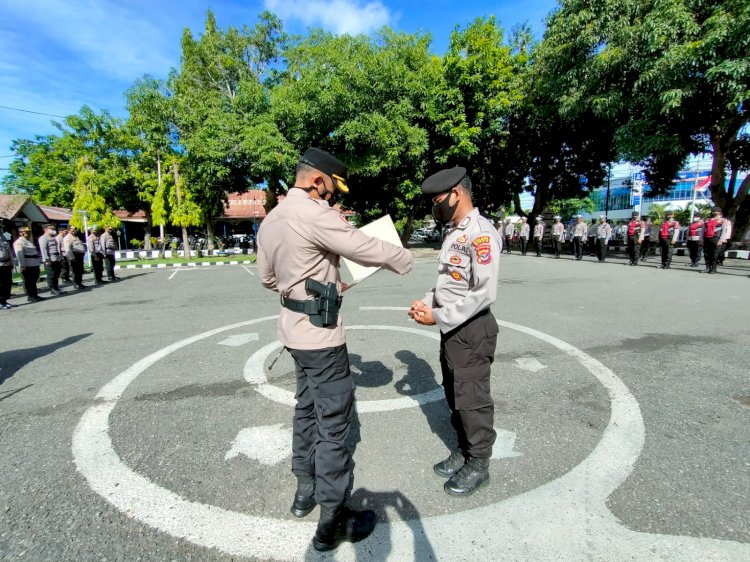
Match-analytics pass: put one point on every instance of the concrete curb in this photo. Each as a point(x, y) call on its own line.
point(189, 264)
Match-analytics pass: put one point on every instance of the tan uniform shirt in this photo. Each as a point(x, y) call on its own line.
point(510, 229)
point(604, 231)
point(524, 233)
point(27, 253)
point(469, 264)
point(303, 238)
point(539, 230)
point(558, 230)
point(107, 243)
point(72, 245)
point(580, 229)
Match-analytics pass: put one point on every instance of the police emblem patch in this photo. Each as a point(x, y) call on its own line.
point(462, 239)
point(483, 249)
point(456, 275)
point(455, 260)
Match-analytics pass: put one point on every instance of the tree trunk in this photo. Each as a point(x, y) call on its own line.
point(161, 226)
point(147, 232)
point(178, 196)
point(209, 234)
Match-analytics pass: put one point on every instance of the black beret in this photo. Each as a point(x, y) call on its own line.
point(328, 164)
point(715, 209)
point(443, 181)
point(634, 214)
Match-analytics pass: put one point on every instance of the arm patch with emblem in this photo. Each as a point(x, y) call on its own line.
point(483, 249)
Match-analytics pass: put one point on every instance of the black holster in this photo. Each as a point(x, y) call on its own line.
point(323, 309)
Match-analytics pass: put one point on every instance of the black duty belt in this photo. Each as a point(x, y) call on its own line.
point(306, 307)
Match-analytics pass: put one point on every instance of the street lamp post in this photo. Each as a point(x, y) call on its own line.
point(86, 236)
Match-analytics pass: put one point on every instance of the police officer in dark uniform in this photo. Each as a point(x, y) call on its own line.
point(668, 232)
point(635, 234)
point(460, 306)
point(299, 246)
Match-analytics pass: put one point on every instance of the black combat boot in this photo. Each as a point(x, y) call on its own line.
point(451, 465)
point(474, 474)
point(304, 497)
point(342, 524)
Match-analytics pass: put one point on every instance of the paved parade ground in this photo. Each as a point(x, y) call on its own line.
point(140, 420)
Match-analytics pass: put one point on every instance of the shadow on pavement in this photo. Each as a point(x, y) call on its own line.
point(15, 359)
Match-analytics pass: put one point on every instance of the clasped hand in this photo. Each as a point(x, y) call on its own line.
point(421, 313)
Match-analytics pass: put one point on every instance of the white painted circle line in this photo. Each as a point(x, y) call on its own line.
point(254, 373)
point(568, 514)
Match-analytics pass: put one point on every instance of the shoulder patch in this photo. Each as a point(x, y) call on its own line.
point(483, 249)
point(455, 260)
point(456, 275)
point(462, 239)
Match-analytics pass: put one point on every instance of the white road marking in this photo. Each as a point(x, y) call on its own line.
point(504, 443)
point(246, 269)
point(254, 373)
point(530, 364)
point(175, 272)
point(268, 444)
point(240, 339)
point(404, 308)
point(565, 519)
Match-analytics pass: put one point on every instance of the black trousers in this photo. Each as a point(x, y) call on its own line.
point(53, 274)
point(538, 246)
point(694, 247)
point(466, 356)
point(507, 244)
point(322, 416)
point(6, 282)
point(96, 263)
point(665, 245)
point(524, 245)
point(633, 248)
point(65, 269)
point(592, 245)
point(645, 246)
point(601, 249)
point(76, 265)
point(578, 247)
point(556, 245)
point(110, 264)
point(30, 277)
point(711, 252)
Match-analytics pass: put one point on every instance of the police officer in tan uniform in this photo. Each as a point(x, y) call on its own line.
point(460, 306)
point(29, 261)
point(579, 237)
point(508, 233)
point(523, 235)
point(538, 235)
point(299, 245)
point(558, 235)
point(6, 272)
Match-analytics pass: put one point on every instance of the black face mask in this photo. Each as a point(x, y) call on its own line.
point(443, 212)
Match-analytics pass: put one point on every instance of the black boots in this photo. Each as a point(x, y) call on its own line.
point(342, 524)
point(472, 475)
point(451, 465)
point(304, 497)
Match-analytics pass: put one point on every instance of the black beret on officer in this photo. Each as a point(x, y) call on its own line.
point(328, 164)
point(443, 180)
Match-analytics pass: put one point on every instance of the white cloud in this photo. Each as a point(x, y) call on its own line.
point(338, 16)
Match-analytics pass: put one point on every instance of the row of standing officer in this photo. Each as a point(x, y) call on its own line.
point(299, 247)
point(62, 254)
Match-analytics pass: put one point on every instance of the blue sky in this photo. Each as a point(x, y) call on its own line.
point(57, 55)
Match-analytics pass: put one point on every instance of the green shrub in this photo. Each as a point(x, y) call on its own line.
point(135, 243)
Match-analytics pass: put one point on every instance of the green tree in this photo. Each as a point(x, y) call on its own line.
point(88, 199)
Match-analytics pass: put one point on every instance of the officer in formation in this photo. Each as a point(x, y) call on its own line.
point(109, 249)
point(591, 246)
point(636, 229)
point(29, 261)
point(603, 234)
point(579, 236)
point(96, 254)
point(6, 273)
point(64, 263)
point(646, 242)
point(460, 306)
point(558, 235)
point(538, 235)
point(716, 234)
point(668, 233)
point(508, 232)
point(51, 257)
point(695, 239)
point(74, 250)
point(299, 247)
point(523, 235)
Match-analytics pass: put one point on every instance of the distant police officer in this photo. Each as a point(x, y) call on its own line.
point(668, 233)
point(508, 232)
point(591, 245)
point(51, 257)
point(648, 227)
point(6, 273)
point(74, 250)
point(109, 247)
point(64, 263)
point(97, 256)
point(29, 261)
point(716, 235)
point(579, 236)
point(460, 306)
point(538, 235)
point(299, 245)
point(635, 233)
point(695, 239)
point(523, 235)
point(603, 234)
point(558, 235)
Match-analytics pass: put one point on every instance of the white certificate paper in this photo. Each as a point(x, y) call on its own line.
point(383, 229)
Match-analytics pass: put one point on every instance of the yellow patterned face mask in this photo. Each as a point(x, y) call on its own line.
point(340, 183)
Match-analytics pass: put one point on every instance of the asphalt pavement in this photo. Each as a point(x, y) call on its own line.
point(141, 420)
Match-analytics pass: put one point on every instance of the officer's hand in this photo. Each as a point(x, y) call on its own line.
point(344, 286)
point(415, 305)
point(424, 317)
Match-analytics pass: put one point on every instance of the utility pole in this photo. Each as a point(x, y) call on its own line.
point(86, 236)
point(606, 204)
point(695, 191)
